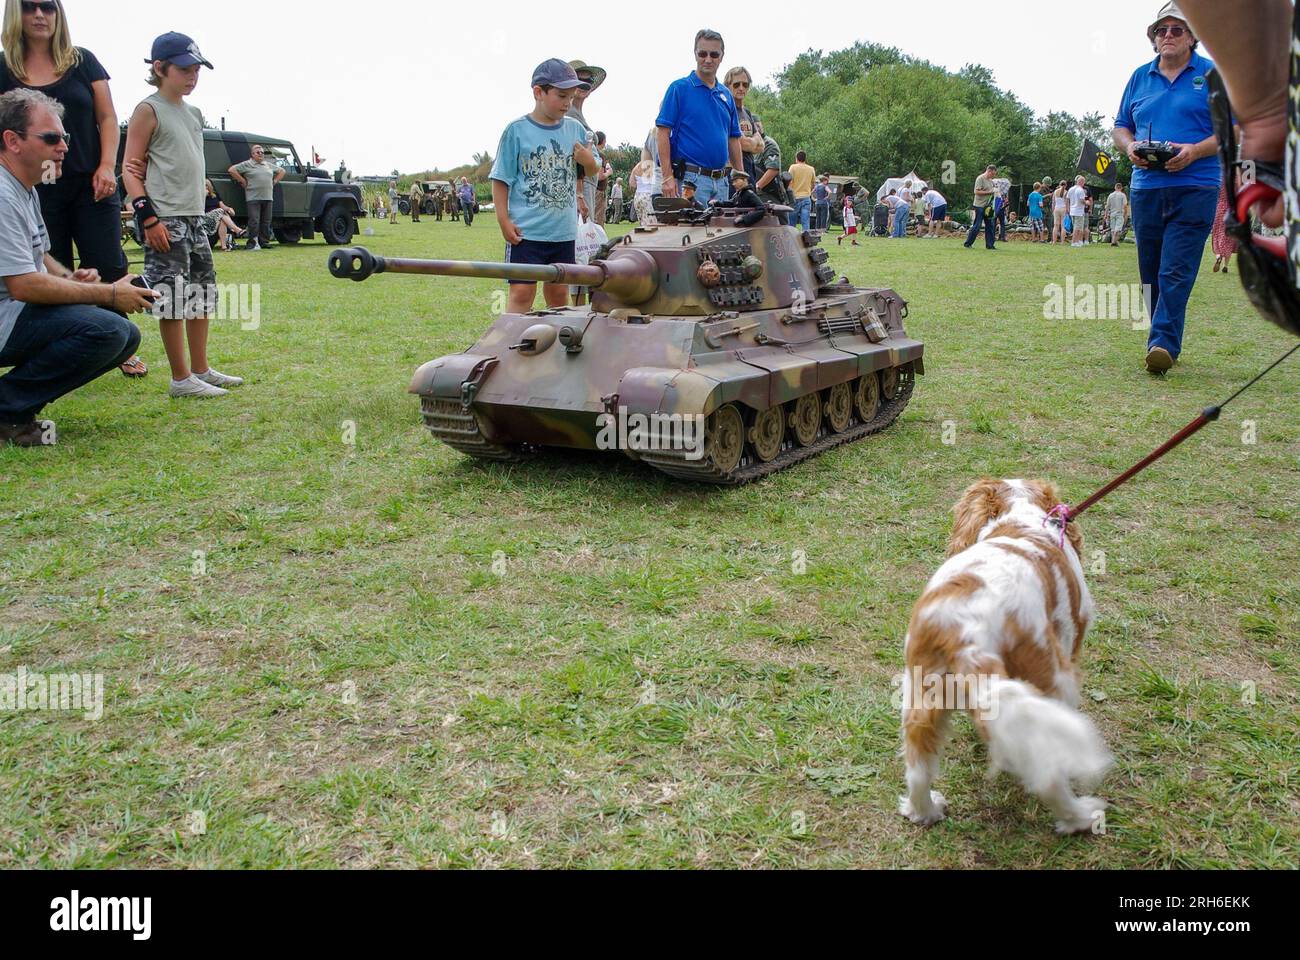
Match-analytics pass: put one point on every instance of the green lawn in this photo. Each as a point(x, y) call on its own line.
point(353, 681)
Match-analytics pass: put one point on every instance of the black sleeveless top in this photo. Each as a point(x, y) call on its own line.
point(73, 90)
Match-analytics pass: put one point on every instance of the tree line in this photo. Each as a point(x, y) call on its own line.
point(873, 112)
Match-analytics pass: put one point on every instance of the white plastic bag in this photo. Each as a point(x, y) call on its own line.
point(591, 237)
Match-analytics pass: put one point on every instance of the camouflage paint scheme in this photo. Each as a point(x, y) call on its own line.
point(656, 340)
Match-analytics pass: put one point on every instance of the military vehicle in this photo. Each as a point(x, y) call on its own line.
point(719, 347)
point(430, 187)
point(307, 200)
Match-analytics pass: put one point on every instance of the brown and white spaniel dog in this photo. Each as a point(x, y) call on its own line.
point(998, 633)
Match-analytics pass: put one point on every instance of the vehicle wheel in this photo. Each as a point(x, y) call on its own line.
point(889, 383)
point(767, 432)
point(336, 224)
point(288, 234)
point(866, 397)
point(806, 418)
point(426, 208)
point(724, 438)
point(839, 407)
point(404, 207)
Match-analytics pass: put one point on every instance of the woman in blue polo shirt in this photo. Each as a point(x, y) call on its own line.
point(1173, 208)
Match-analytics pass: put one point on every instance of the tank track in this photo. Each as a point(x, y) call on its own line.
point(458, 428)
point(675, 463)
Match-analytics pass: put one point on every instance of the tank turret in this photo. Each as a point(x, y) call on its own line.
point(711, 351)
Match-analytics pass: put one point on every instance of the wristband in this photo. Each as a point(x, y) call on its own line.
point(145, 215)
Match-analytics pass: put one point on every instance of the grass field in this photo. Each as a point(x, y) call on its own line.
point(378, 653)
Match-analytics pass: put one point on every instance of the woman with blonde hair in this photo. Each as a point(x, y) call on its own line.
point(738, 81)
point(82, 206)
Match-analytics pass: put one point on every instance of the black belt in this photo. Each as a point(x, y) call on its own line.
point(712, 174)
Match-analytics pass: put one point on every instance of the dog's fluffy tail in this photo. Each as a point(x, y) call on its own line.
point(1047, 745)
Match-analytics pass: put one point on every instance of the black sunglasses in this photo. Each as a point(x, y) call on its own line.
point(709, 54)
point(50, 139)
point(1174, 31)
point(49, 9)
point(1264, 264)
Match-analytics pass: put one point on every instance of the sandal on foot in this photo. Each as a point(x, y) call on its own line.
point(134, 368)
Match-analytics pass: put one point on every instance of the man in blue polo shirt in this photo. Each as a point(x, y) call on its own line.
point(1173, 209)
point(698, 127)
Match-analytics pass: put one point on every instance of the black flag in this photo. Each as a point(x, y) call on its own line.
point(1097, 163)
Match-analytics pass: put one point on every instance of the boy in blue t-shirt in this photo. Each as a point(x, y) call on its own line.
point(534, 183)
point(1036, 213)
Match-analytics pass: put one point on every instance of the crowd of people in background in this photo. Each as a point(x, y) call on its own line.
point(706, 146)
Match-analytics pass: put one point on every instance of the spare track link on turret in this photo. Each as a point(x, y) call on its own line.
point(703, 471)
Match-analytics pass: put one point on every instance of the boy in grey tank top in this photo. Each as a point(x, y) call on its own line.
point(163, 172)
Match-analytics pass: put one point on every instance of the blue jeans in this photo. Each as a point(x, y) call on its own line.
point(1171, 225)
point(823, 215)
point(803, 212)
point(706, 188)
point(975, 228)
point(900, 224)
point(55, 350)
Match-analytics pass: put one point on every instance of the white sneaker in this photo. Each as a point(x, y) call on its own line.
point(219, 379)
point(192, 386)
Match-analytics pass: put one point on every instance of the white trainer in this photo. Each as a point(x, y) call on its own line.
point(219, 379)
point(192, 386)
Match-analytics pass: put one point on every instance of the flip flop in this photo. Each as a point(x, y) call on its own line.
point(134, 368)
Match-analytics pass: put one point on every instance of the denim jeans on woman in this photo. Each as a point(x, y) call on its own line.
point(1171, 225)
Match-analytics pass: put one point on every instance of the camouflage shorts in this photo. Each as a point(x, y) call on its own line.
point(184, 275)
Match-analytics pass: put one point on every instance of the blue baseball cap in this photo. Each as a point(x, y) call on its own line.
point(557, 73)
point(178, 49)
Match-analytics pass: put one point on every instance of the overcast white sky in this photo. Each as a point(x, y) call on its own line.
point(380, 86)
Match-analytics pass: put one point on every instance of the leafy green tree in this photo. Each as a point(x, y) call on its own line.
point(873, 112)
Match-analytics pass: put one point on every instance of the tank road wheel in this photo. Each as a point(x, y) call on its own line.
point(806, 418)
point(866, 397)
point(889, 383)
point(839, 407)
point(724, 438)
point(767, 433)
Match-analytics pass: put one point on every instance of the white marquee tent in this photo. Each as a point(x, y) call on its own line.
point(896, 183)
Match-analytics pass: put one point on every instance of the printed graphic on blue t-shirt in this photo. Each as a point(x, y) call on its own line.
point(536, 162)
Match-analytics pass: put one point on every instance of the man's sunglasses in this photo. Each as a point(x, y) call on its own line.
point(709, 54)
point(1174, 31)
point(50, 139)
point(1264, 265)
point(49, 9)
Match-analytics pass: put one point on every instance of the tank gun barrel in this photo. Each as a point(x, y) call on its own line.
point(631, 277)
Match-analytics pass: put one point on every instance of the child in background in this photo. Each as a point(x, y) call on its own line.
point(850, 222)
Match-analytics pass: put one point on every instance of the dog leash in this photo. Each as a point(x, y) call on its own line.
point(1062, 514)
